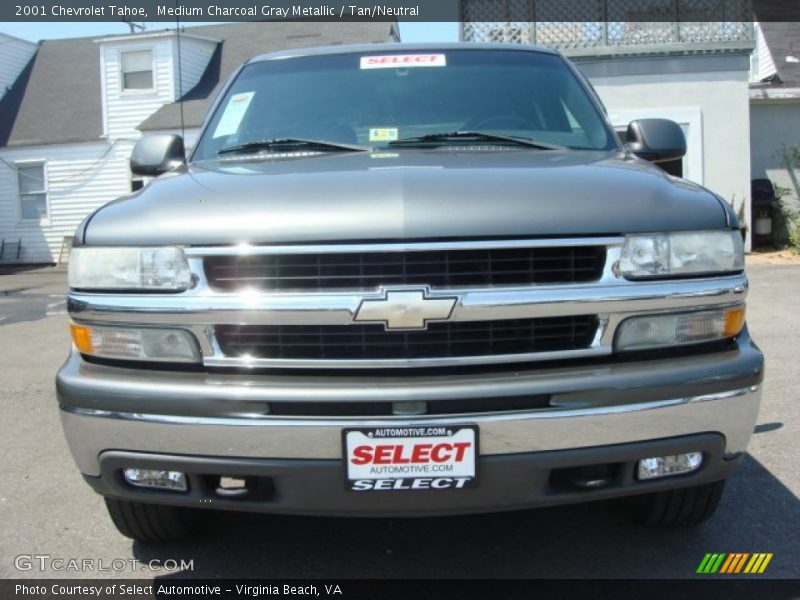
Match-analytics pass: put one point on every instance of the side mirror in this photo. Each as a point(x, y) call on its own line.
point(156, 154)
point(656, 140)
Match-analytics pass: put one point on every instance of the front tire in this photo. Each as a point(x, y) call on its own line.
point(684, 507)
point(151, 523)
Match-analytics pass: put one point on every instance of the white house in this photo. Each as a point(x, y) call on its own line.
point(69, 121)
point(775, 108)
point(695, 73)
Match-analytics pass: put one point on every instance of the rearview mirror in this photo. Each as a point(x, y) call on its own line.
point(156, 154)
point(656, 140)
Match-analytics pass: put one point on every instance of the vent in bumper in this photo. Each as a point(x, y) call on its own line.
point(440, 340)
point(432, 407)
point(434, 268)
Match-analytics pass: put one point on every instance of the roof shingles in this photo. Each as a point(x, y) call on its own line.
point(58, 99)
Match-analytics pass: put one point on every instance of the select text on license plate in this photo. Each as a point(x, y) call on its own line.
point(425, 457)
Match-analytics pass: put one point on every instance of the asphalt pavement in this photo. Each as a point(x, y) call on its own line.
point(48, 510)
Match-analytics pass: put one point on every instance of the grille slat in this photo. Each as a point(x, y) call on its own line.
point(372, 341)
point(440, 268)
point(428, 275)
point(316, 261)
point(361, 333)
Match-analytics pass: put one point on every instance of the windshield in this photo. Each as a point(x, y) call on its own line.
point(375, 99)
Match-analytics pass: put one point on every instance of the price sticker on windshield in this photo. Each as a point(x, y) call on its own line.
point(403, 61)
point(233, 115)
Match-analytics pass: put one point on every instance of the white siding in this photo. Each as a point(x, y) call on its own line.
point(83, 177)
point(14, 55)
point(124, 110)
point(80, 178)
point(716, 102)
point(761, 63)
point(195, 54)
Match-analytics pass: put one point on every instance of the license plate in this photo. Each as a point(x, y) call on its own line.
point(424, 457)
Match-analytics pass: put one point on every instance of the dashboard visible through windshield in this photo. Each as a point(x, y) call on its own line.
point(379, 100)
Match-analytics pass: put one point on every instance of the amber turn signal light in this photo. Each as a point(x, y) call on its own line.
point(734, 321)
point(82, 337)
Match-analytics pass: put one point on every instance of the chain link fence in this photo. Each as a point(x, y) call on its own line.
point(606, 23)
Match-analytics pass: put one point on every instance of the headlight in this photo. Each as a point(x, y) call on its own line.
point(658, 331)
point(155, 269)
point(681, 253)
point(129, 343)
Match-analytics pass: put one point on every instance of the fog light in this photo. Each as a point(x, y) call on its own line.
point(156, 478)
point(665, 466)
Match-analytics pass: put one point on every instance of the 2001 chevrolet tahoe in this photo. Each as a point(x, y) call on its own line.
point(408, 280)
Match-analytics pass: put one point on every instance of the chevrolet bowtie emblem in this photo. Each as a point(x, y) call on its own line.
point(405, 309)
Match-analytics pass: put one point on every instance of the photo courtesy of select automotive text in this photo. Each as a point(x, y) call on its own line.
point(406, 299)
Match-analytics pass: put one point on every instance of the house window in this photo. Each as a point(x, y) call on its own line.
point(32, 191)
point(137, 70)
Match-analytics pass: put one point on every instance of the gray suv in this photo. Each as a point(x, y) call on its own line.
point(402, 280)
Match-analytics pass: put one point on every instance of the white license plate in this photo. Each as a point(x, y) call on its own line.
point(419, 457)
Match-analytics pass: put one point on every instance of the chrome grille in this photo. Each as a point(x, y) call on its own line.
point(204, 311)
point(445, 339)
point(484, 267)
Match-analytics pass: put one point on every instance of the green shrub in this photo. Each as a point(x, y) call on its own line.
point(793, 225)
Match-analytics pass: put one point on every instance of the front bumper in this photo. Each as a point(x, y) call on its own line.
point(602, 413)
point(507, 482)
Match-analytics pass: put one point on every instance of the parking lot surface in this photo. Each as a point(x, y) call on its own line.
point(48, 510)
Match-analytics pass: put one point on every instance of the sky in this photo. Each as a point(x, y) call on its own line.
point(409, 32)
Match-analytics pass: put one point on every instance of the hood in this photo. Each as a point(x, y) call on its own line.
point(408, 194)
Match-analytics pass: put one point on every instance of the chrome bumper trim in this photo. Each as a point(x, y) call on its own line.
point(217, 360)
point(248, 249)
point(90, 432)
point(612, 303)
point(340, 308)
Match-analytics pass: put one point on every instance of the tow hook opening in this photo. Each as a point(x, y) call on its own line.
point(586, 477)
point(239, 487)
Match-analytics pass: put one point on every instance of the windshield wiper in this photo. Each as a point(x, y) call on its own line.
point(478, 136)
point(284, 143)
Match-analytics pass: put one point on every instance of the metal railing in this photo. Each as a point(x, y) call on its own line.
point(610, 25)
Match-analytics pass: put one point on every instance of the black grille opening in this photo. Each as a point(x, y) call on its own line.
point(434, 407)
point(439, 340)
point(481, 405)
point(441, 268)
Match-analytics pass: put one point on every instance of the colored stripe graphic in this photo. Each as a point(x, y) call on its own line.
point(711, 563)
point(741, 562)
point(728, 562)
point(734, 562)
point(704, 563)
point(758, 563)
point(764, 564)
